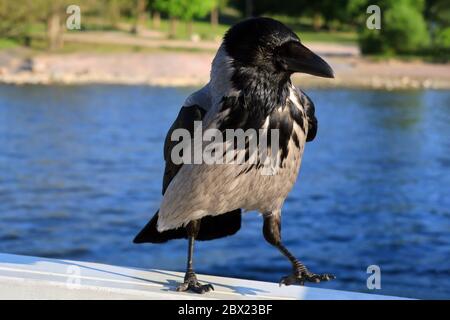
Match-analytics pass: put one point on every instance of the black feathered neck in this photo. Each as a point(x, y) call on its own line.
point(261, 90)
point(260, 93)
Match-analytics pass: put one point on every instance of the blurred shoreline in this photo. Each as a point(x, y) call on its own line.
point(172, 67)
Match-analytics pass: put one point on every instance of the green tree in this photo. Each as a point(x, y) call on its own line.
point(140, 15)
point(403, 27)
point(23, 19)
point(437, 12)
point(443, 38)
point(173, 9)
point(215, 7)
point(185, 10)
point(15, 21)
point(134, 9)
point(330, 13)
point(18, 19)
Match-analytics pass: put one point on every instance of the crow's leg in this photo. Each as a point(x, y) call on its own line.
point(190, 279)
point(301, 274)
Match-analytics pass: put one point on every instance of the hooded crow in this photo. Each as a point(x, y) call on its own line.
point(249, 88)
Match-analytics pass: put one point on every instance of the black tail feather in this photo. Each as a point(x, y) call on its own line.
point(214, 227)
point(150, 234)
point(211, 227)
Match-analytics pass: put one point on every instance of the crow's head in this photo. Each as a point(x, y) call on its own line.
point(266, 45)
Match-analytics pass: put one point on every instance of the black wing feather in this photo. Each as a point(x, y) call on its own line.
point(308, 105)
point(211, 227)
point(185, 120)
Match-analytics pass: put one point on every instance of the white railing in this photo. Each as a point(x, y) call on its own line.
point(24, 277)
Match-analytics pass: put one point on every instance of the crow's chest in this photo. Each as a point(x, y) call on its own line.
point(272, 186)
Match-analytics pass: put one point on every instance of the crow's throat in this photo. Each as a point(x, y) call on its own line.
point(260, 93)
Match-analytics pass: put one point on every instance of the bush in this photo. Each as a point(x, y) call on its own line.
point(370, 41)
point(443, 38)
point(403, 30)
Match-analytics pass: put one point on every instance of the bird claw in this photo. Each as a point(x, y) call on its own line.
point(191, 283)
point(301, 278)
point(195, 287)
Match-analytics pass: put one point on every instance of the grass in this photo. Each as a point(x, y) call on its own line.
point(102, 48)
point(341, 37)
point(201, 28)
point(207, 32)
point(6, 43)
point(39, 44)
point(303, 27)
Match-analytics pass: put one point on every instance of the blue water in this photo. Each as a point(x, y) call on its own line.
point(81, 170)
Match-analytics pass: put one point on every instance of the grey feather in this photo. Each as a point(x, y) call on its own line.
point(199, 190)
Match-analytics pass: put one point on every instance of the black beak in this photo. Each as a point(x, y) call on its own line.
point(295, 57)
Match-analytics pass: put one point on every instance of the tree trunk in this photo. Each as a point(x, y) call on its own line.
point(141, 16)
point(113, 13)
point(54, 31)
point(156, 20)
point(214, 16)
point(189, 28)
point(173, 27)
point(317, 21)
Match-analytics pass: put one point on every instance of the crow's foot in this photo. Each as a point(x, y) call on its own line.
point(302, 277)
point(191, 283)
